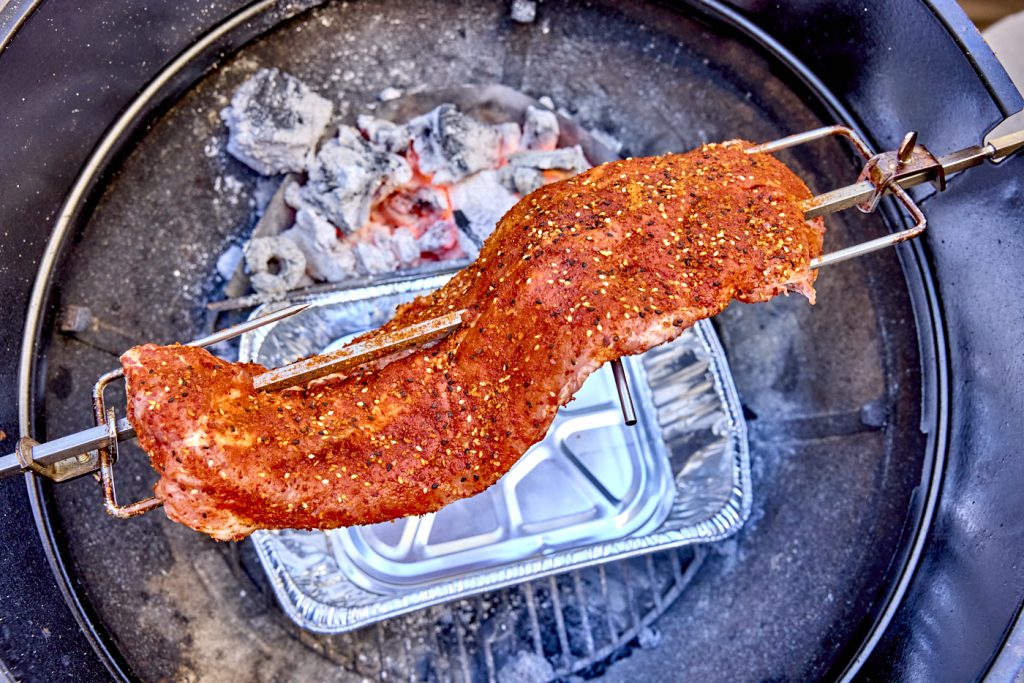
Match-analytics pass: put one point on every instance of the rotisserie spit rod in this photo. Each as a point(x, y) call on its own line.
point(890, 172)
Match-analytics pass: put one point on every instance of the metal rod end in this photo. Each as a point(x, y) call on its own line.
point(625, 397)
point(906, 151)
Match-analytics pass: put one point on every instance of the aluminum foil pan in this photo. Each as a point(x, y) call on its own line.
point(594, 490)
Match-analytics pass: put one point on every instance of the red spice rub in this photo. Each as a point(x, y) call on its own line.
point(610, 263)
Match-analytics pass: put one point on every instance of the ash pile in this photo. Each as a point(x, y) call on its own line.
point(380, 196)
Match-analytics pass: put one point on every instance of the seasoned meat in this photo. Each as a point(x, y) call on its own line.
point(609, 263)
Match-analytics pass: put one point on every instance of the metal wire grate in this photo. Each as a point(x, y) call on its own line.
point(572, 624)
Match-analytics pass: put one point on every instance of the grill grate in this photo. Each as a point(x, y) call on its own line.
point(572, 624)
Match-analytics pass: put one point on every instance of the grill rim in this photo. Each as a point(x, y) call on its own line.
point(150, 105)
point(918, 257)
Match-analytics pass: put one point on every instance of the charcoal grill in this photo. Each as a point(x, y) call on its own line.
point(843, 589)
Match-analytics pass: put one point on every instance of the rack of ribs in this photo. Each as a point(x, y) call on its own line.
point(609, 263)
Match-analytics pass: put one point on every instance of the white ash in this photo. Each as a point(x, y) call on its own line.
point(372, 260)
point(524, 11)
point(451, 145)
point(327, 258)
point(511, 136)
point(227, 263)
point(611, 596)
point(526, 667)
point(469, 247)
point(480, 201)
point(388, 94)
point(438, 238)
point(389, 136)
point(404, 246)
point(275, 265)
point(565, 159)
point(467, 244)
point(649, 638)
point(540, 129)
point(523, 180)
point(274, 121)
point(231, 189)
point(361, 166)
point(524, 172)
point(264, 192)
point(606, 140)
point(347, 175)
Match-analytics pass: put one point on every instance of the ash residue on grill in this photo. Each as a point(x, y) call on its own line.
point(180, 608)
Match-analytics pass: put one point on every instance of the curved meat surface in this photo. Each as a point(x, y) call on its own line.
point(609, 263)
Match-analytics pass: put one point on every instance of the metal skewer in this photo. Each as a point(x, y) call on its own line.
point(249, 325)
point(355, 355)
point(622, 387)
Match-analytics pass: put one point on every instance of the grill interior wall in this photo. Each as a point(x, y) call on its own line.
point(832, 393)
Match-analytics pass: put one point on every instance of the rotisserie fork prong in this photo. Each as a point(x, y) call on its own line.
point(892, 173)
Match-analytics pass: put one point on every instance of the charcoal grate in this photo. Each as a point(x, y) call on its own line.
point(568, 625)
